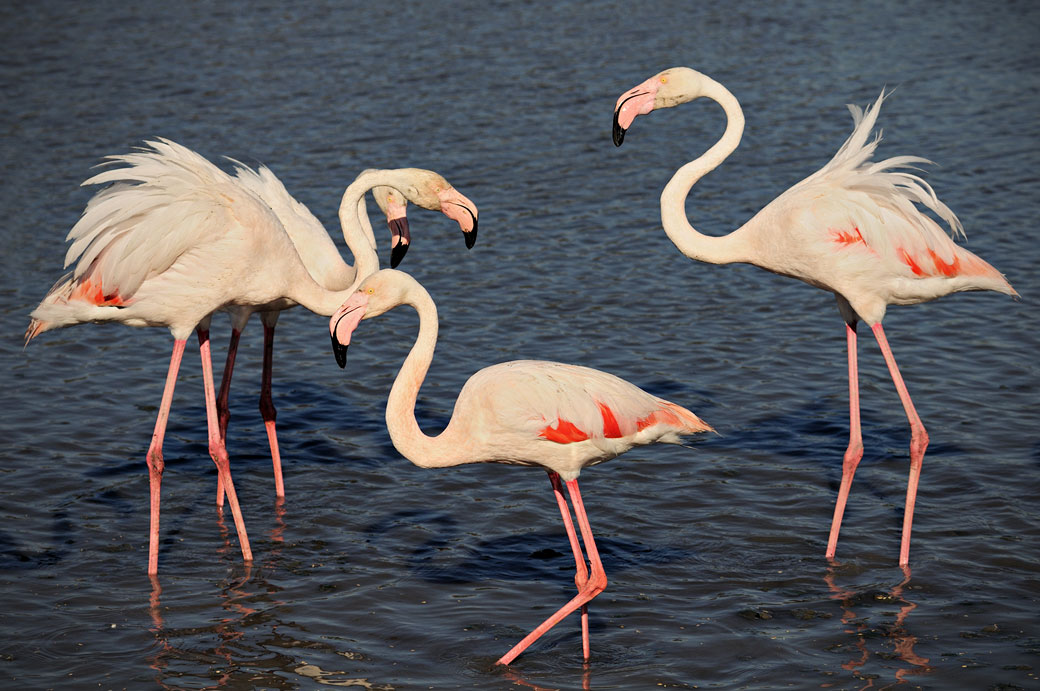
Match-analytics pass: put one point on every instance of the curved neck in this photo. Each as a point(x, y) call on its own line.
point(691, 242)
point(408, 438)
point(357, 230)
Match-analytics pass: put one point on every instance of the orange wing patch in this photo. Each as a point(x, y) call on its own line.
point(611, 428)
point(951, 269)
point(564, 433)
point(87, 291)
point(939, 267)
point(848, 237)
point(909, 261)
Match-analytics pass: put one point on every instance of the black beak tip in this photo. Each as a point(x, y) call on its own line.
point(471, 237)
point(619, 133)
point(340, 351)
point(397, 254)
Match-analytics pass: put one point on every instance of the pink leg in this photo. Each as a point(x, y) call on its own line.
point(918, 442)
point(216, 445)
point(581, 576)
point(595, 584)
point(854, 452)
point(223, 410)
point(155, 457)
point(268, 412)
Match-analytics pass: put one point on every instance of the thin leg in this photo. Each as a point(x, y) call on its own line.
point(267, 409)
point(595, 584)
point(217, 450)
point(918, 442)
point(155, 457)
point(854, 452)
point(581, 576)
point(223, 410)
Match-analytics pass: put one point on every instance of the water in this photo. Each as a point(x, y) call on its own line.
point(381, 575)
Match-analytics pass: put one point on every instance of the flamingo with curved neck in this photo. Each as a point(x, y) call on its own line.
point(173, 239)
point(560, 417)
point(322, 259)
point(853, 228)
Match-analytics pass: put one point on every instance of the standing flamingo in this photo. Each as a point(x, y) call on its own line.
point(525, 412)
point(322, 259)
point(173, 239)
point(851, 227)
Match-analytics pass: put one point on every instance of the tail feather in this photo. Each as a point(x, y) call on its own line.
point(690, 422)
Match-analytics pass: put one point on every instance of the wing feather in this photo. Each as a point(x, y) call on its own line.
point(160, 202)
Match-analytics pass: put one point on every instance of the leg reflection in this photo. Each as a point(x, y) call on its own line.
point(896, 633)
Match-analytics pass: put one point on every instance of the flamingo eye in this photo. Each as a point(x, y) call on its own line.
point(370, 291)
point(664, 80)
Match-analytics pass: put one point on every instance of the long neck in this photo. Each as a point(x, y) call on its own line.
point(360, 240)
point(691, 242)
point(408, 438)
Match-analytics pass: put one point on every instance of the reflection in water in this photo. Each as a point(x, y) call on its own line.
point(228, 630)
point(902, 641)
point(586, 679)
point(235, 599)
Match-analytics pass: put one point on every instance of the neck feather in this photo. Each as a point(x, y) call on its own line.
point(408, 438)
point(360, 240)
point(691, 242)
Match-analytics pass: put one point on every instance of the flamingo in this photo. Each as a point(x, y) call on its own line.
point(852, 228)
point(322, 259)
point(171, 240)
point(525, 412)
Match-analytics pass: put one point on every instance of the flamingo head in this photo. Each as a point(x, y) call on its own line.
point(379, 293)
point(431, 191)
point(393, 204)
point(664, 90)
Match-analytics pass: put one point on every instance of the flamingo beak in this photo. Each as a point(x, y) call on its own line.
point(457, 207)
point(344, 322)
point(401, 239)
point(636, 101)
point(340, 351)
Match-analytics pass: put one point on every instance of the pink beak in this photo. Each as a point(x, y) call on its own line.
point(455, 206)
point(344, 322)
point(636, 101)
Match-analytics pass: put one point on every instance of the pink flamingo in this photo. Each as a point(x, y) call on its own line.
point(322, 259)
point(526, 412)
point(173, 239)
point(851, 227)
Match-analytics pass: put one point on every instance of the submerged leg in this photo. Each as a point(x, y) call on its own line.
point(918, 442)
point(854, 452)
point(155, 457)
point(592, 587)
point(217, 449)
point(267, 410)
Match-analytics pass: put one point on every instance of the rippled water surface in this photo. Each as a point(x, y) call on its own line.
point(374, 573)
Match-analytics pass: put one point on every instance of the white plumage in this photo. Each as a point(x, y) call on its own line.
point(853, 228)
point(525, 412)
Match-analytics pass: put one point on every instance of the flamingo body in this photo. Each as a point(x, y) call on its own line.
point(854, 228)
point(525, 412)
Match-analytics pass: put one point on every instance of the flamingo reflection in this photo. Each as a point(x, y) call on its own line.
point(901, 639)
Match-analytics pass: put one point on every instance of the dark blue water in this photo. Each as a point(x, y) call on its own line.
point(378, 574)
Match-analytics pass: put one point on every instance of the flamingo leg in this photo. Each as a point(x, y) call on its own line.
point(155, 457)
point(581, 576)
point(223, 410)
point(918, 442)
point(592, 587)
point(217, 450)
point(854, 452)
point(267, 410)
